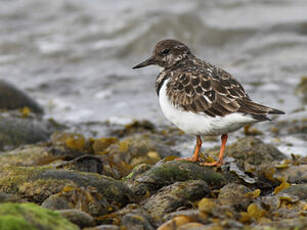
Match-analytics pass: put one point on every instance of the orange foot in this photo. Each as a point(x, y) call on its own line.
point(192, 159)
point(195, 156)
point(221, 155)
point(215, 163)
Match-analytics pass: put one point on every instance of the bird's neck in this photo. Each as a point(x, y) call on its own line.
point(163, 75)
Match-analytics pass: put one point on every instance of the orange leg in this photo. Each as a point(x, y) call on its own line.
point(221, 155)
point(195, 156)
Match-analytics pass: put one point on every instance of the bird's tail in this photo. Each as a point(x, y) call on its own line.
point(257, 110)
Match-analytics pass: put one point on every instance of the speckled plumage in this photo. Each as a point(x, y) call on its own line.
point(200, 98)
point(200, 87)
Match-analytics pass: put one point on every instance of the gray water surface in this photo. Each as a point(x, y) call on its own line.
point(75, 56)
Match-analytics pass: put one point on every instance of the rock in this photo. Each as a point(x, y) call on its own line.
point(137, 222)
point(111, 189)
point(297, 223)
point(296, 174)
point(30, 155)
point(301, 89)
point(6, 197)
point(131, 211)
point(70, 144)
point(165, 173)
point(12, 98)
point(15, 216)
point(175, 223)
point(134, 150)
point(172, 197)
point(182, 216)
point(253, 151)
point(271, 202)
point(16, 131)
point(194, 226)
point(235, 195)
point(98, 194)
point(299, 190)
point(85, 163)
point(235, 173)
point(78, 217)
point(138, 170)
point(135, 127)
point(104, 227)
point(85, 199)
point(57, 202)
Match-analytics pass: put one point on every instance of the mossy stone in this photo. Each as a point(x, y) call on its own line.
point(38, 183)
point(165, 173)
point(30, 216)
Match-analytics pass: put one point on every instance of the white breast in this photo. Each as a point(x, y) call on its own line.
point(201, 124)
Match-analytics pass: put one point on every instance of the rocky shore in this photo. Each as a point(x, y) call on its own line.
point(53, 176)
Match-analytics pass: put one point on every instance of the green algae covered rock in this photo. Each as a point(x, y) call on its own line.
point(165, 173)
point(31, 217)
point(98, 194)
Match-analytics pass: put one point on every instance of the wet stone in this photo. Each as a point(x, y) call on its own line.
point(253, 151)
point(194, 226)
point(115, 192)
point(85, 163)
point(86, 199)
point(131, 151)
point(57, 202)
point(174, 196)
point(175, 222)
point(37, 184)
point(299, 190)
point(235, 195)
point(104, 227)
point(186, 216)
point(297, 223)
point(133, 211)
point(16, 131)
point(137, 222)
point(78, 217)
point(301, 89)
point(6, 197)
point(165, 173)
point(69, 144)
point(135, 127)
point(296, 174)
point(30, 155)
point(271, 202)
point(12, 98)
point(138, 170)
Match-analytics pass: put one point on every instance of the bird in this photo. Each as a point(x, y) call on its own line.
point(201, 99)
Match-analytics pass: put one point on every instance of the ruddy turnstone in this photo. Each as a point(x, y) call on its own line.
point(200, 98)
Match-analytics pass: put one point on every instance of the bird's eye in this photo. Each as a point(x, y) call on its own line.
point(165, 51)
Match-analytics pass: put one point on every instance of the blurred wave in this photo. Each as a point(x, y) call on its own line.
point(75, 56)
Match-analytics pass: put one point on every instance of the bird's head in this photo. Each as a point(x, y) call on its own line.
point(166, 54)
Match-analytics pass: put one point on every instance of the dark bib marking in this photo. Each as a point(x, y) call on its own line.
point(159, 82)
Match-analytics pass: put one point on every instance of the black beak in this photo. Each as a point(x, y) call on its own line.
point(148, 61)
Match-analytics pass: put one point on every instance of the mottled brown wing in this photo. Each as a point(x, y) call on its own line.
point(213, 92)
